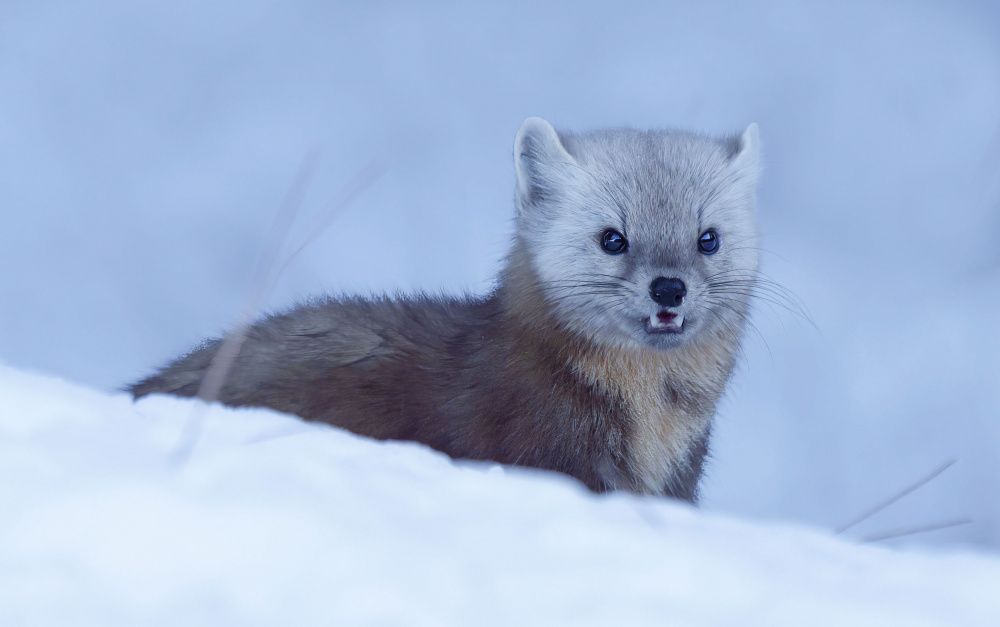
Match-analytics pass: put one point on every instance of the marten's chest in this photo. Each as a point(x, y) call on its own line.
point(668, 398)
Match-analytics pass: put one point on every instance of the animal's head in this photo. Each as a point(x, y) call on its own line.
point(649, 237)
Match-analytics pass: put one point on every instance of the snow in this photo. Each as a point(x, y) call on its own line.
point(272, 521)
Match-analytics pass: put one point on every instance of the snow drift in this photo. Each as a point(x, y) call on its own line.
point(108, 519)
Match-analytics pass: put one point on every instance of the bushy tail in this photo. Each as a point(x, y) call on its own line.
point(181, 378)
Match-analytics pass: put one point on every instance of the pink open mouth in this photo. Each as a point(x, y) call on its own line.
point(665, 322)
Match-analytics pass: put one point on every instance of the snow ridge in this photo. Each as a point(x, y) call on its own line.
point(271, 521)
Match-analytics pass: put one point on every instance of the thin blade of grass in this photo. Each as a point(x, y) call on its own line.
point(895, 497)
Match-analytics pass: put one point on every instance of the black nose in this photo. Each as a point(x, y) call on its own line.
point(667, 292)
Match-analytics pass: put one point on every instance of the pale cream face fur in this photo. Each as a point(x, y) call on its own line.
point(661, 190)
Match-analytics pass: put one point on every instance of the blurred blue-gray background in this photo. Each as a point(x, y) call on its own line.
point(146, 147)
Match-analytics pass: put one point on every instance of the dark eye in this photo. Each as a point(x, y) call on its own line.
point(708, 243)
point(613, 242)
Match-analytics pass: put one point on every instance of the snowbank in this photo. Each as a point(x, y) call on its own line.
point(272, 521)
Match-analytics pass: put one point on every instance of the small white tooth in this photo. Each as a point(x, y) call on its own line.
point(679, 320)
point(654, 321)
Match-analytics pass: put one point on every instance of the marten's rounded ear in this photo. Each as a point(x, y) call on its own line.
point(747, 154)
point(750, 142)
point(537, 148)
point(749, 146)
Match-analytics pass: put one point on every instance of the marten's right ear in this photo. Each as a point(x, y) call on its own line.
point(538, 153)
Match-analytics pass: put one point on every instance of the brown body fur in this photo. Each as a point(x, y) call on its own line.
point(560, 367)
point(491, 379)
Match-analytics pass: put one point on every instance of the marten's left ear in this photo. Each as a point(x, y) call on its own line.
point(746, 157)
point(538, 157)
